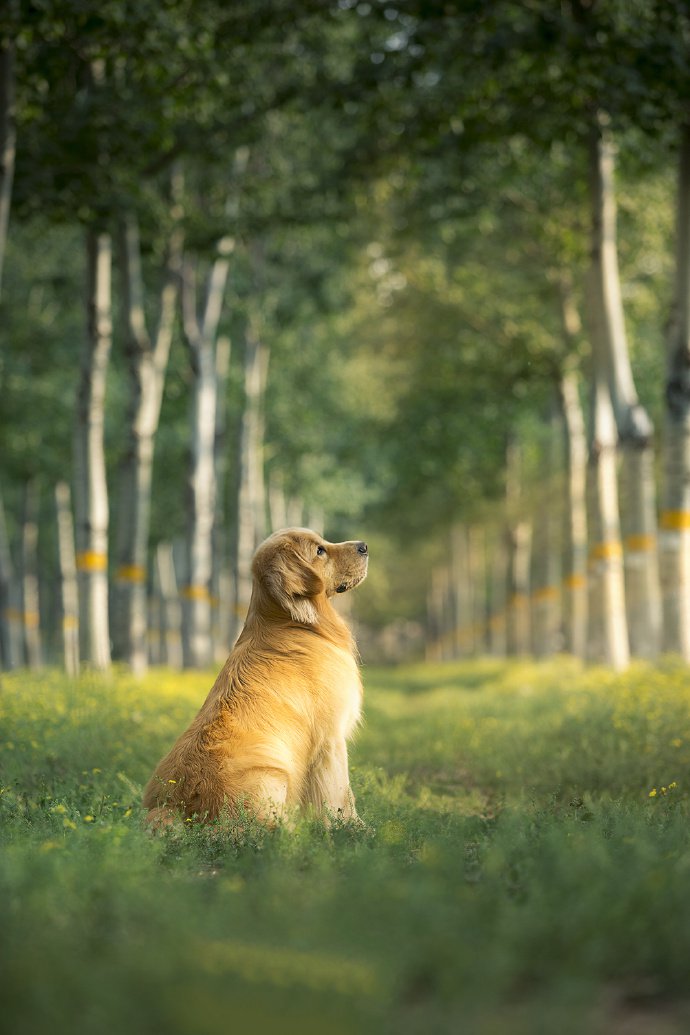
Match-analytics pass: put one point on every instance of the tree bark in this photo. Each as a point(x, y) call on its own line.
point(546, 551)
point(91, 493)
point(251, 502)
point(31, 614)
point(497, 595)
point(221, 581)
point(69, 593)
point(518, 547)
point(8, 141)
point(170, 609)
point(147, 361)
point(632, 421)
point(608, 626)
point(675, 513)
point(575, 581)
point(201, 339)
point(11, 644)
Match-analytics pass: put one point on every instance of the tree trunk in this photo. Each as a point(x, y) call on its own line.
point(170, 609)
point(575, 581)
point(251, 503)
point(675, 514)
point(575, 523)
point(69, 593)
point(608, 626)
point(147, 362)
point(222, 581)
point(201, 338)
point(632, 421)
point(546, 552)
point(440, 616)
point(497, 595)
point(91, 493)
point(11, 642)
point(30, 599)
point(8, 138)
point(461, 591)
point(518, 547)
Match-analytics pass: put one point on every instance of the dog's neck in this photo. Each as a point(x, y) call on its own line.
point(264, 612)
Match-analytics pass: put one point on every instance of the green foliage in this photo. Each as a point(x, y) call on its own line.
point(524, 866)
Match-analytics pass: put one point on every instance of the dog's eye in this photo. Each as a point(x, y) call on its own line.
point(320, 551)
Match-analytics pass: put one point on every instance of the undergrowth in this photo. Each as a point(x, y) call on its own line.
point(524, 865)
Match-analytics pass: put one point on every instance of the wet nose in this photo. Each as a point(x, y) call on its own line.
point(362, 548)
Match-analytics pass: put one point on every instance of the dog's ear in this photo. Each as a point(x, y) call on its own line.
point(293, 585)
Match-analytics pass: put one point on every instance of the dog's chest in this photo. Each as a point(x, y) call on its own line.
point(345, 692)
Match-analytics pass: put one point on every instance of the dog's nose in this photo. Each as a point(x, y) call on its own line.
point(362, 548)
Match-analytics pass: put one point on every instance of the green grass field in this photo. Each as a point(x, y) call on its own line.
point(526, 867)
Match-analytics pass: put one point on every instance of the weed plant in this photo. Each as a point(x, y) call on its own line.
point(525, 865)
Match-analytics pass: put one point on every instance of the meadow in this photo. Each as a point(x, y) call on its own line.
point(525, 866)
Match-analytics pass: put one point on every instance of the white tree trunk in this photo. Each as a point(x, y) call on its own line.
point(251, 503)
point(91, 493)
point(632, 421)
point(221, 581)
point(7, 143)
point(170, 608)
point(518, 552)
point(575, 581)
point(30, 597)
point(546, 551)
point(11, 627)
point(461, 592)
point(497, 594)
point(675, 514)
point(608, 626)
point(69, 594)
point(147, 361)
point(201, 338)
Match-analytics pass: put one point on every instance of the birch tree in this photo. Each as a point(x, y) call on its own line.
point(632, 421)
point(575, 512)
point(608, 626)
point(147, 360)
point(11, 646)
point(201, 333)
point(251, 496)
point(31, 611)
point(90, 486)
point(519, 544)
point(575, 580)
point(69, 594)
point(675, 514)
point(8, 140)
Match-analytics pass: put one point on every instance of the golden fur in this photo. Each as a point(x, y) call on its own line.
point(272, 732)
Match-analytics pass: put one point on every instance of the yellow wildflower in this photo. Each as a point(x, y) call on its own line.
point(652, 793)
point(88, 819)
point(172, 781)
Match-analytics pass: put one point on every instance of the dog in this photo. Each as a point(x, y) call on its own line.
point(273, 731)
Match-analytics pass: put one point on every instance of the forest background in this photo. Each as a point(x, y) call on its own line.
point(357, 266)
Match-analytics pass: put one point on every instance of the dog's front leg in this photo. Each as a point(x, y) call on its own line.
point(328, 784)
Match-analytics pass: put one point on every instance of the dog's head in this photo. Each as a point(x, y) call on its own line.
point(296, 566)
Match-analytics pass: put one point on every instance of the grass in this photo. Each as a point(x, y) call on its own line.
point(526, 867)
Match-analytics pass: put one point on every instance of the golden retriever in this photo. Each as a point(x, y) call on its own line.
point(273, 730)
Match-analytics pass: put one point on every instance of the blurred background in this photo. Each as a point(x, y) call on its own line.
point(412, 272)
